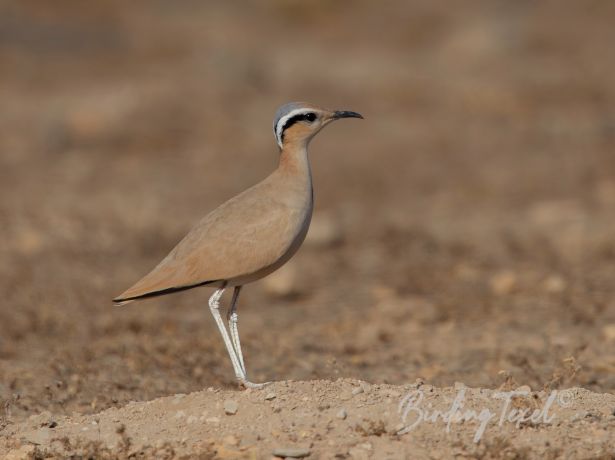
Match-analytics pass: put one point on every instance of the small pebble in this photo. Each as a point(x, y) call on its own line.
point(231, 440)
point(358, 453)
point(579, 416)
point(212, 420)
point(399, 427)
point(342, 414)
point(292, 452)
point(270, 396)
point(230, 407)
point(357, 390)
point(159, 444)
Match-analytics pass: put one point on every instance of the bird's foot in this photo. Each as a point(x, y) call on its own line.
point(254, 386)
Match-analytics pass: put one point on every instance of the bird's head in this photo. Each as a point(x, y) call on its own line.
point(299, 122)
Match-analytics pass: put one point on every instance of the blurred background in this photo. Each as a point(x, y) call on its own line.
point(463, 231)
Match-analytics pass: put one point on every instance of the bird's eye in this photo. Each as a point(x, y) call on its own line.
point(310, 117)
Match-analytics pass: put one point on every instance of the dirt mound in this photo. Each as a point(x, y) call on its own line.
point(324, 419)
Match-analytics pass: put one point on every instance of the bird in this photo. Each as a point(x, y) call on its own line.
point(250, 235)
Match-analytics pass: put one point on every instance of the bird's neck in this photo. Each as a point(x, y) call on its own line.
point(294, 160)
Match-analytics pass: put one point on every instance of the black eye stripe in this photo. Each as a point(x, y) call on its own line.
point(310, 116)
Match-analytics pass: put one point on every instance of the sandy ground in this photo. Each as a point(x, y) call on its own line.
point(463, 231)
point(325, 419)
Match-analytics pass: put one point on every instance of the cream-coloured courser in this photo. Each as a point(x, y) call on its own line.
point(250, 235)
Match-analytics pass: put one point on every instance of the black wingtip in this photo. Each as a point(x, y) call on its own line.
point(119, 301)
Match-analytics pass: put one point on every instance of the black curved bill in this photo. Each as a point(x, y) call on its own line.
point(346, 114)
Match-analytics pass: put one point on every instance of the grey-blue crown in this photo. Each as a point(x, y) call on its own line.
point(285, 110)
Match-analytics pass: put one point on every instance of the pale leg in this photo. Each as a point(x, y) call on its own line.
point(214, 306)
point(233, 318)
point(233, 345)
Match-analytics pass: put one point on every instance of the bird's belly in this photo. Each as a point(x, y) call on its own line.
point(285, 257)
